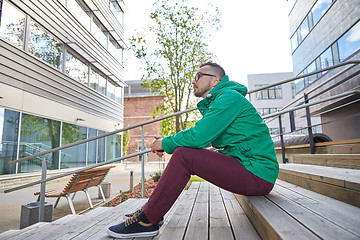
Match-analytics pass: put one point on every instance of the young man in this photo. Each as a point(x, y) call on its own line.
point(245, 164)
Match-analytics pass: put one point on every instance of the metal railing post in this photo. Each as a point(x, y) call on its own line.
point(42, 191)
point(292, 121)
point(308, 119)
point(142, 163)
point(282, 141)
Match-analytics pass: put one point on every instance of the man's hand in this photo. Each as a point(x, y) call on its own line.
point(156, 146)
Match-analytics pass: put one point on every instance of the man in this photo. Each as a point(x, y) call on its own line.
point(246, 163)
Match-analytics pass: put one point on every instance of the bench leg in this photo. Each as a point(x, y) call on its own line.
point(88, 198)
point(70, 204)
point(101, 192)
point(57, 201)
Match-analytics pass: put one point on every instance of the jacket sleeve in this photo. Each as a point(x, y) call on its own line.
point(222, 112)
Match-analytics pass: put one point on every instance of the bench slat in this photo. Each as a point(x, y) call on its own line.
point(219, 223)
point(240, 224)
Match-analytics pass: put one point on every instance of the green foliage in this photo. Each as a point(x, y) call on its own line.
point(125, 142)
point(123, 195)
point(156, 176)
point(181, 34)
point(195, 178)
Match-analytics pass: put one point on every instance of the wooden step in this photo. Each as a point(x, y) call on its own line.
point(291, 212)
point(339, 183)
point(351, 161)
point(202, 212)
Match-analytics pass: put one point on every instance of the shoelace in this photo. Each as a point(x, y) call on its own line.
point(137, 213)
point(131, 220)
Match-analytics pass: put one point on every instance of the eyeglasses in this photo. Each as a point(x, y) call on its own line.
point(199, 75)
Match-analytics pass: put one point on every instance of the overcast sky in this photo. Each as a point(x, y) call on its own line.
point(254, 37)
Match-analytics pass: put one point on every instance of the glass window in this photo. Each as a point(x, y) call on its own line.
point(94, 79)
point(113, 147)
point(269, 93)
point(117, 11)
point(12, 26)
point(319, 9)
point(76, 68)
point(80, 12)
point(102, 84)
point(44, 45)
point(349, 43)
point(9, 128)
point(312, 78)
point(112, 46)
point(118, 94)
point(101, 148)
point(326, 59)
point(304, 29)
point(104, 37)
point(37, 135)
point(95, 28)
point(92, 146)
point(110, 90)
point(74, 156)
point(294, 42)
point(119, 53)
point(299, 84)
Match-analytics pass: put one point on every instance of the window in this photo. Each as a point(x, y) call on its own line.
point(37, 135)
point(80, 11)
point(104, 37)
point(299, 84)
point(110, 87)
point(266, 111)
point(94, 79)
point(101, 148)
point(319, 9)
point(139, 150)
point(117, 11)
point(76, 68)
point(12, 26)
point(304, 29)
point(74, 156)
point(294, 42)
point(9, 128)
point(92, 146)
point(311, 68)
point(96, 28)
point(112, 46)
point(270, 93)
point(349, 43)
point(118, 94)
point(45, 46)
point(113, 147)
point(326, 59)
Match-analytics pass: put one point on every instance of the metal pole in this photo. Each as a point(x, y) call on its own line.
point(142, 163)
point(311, 136)
point(131, 180)
point(42, 191)
point(282, 141)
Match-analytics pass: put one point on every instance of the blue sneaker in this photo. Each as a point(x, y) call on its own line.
point(136, 226)
point(137, 213)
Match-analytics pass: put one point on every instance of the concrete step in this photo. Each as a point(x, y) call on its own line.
point(351, 161)
point(338, 183)
point(292, 212)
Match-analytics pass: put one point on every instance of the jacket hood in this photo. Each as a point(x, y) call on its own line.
point(225, 84)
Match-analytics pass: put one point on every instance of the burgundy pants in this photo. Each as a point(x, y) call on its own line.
point(221, 170)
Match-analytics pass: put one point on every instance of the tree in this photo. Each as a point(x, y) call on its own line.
point(125, 142)
point(181, 33)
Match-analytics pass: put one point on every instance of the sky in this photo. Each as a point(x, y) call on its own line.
point(254, 37)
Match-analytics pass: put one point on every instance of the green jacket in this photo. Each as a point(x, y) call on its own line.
point(230, 122)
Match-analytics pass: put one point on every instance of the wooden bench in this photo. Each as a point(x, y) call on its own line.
point(80, 181)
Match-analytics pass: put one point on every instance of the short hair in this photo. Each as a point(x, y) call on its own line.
point(219, 70)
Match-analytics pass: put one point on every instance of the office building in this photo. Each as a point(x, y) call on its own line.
point(325, 33)
point(61, 81)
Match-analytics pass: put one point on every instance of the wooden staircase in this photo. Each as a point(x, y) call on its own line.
point(316, 197)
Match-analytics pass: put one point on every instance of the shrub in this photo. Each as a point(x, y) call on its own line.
point(156, 176)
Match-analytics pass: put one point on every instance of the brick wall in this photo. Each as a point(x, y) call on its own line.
point(138, 110)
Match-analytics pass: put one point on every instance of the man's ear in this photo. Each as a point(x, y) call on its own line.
point(216, 82)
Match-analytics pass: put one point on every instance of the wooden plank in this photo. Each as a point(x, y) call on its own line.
point(319, 225)
point(334, 215)
point(340, 142)
point(99, 229)
point(340, 193)
point(13, 233)
point(176, 227)
point(270, 221)
point(219, 226)
point(240, 224)
point(348, 209)
point(199, 220)
point(351, 161)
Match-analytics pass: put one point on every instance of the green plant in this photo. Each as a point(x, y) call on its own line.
point(156, 176)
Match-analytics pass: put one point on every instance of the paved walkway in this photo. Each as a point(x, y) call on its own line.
point(10, 203)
